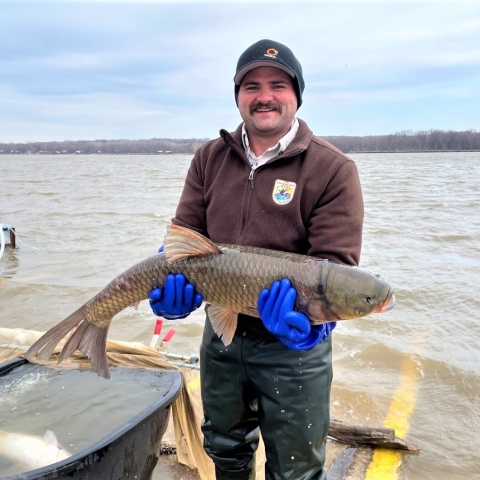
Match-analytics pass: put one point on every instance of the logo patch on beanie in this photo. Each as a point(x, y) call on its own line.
point(283, 191)
point(271, 52)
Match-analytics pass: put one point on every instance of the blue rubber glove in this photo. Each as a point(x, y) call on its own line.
point(176, 300)
point(293, 329)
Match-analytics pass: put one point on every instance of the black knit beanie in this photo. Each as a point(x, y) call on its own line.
point(267, 53)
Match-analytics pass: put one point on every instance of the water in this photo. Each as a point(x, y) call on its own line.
point(94, 216)
point(71, 403)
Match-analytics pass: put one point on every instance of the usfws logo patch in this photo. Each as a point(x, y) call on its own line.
point(283, 191)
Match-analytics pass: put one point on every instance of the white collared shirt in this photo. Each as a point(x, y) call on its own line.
point(272, 152)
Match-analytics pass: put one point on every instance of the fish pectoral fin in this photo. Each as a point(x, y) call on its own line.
point(224, 322)
point(50, 438)
point(182, 242)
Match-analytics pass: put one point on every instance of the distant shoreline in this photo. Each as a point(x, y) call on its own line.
point(415, 151)
point(183, 153)
point(400, 142)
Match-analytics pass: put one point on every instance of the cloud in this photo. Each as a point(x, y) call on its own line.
point(74, 70)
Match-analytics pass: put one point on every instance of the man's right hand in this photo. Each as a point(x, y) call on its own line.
point(176, 300)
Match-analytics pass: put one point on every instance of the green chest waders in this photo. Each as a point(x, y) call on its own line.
point(260, 383)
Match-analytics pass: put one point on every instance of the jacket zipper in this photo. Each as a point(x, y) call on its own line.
point(250, 178)
point(245, 208)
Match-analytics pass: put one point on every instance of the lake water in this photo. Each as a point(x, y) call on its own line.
point(91, 217)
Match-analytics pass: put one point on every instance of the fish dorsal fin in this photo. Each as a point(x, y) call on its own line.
point(50, 438)
point(224, 322)
point(182, 242)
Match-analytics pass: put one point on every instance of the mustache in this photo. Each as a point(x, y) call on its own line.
point(269, 105)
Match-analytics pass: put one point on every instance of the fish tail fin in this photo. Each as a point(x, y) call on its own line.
point(45, 345)
point(91, 341)
point(86, 337)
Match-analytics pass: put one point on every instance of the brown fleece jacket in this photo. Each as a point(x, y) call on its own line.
point(319, 213)
point(227, 202)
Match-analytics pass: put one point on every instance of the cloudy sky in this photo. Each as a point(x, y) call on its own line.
point(73, 70)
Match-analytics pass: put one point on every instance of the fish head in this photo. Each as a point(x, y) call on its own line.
point(346, 292)
point(50, 452)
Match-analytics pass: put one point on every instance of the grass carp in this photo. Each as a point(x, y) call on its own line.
point(30, 452)
point(230, 278)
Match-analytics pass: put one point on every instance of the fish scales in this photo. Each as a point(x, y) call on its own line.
point(235, 278)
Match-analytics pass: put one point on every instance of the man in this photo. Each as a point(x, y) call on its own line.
point(270, 184)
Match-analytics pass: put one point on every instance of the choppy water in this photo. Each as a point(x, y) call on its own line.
point(94, 216)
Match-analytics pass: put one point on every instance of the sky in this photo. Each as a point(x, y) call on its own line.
point(87, 70)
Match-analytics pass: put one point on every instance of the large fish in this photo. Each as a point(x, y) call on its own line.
point(31, 452)
point(230, 277)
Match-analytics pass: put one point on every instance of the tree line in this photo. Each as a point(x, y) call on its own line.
point(121, 147)
point(405, 141)
point(408, 141)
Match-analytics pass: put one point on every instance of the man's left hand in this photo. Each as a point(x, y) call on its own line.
point(293, 329)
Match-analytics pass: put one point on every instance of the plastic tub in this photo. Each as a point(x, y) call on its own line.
point(129, 452)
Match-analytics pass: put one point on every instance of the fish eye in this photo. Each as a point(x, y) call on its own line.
point(368, 300)
point(358, 311)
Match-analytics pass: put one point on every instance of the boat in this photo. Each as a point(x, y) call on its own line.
point(139, 438)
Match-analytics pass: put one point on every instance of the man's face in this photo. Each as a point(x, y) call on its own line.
point(267, 102)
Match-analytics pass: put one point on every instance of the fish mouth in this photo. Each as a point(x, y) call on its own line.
point(388, 304)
